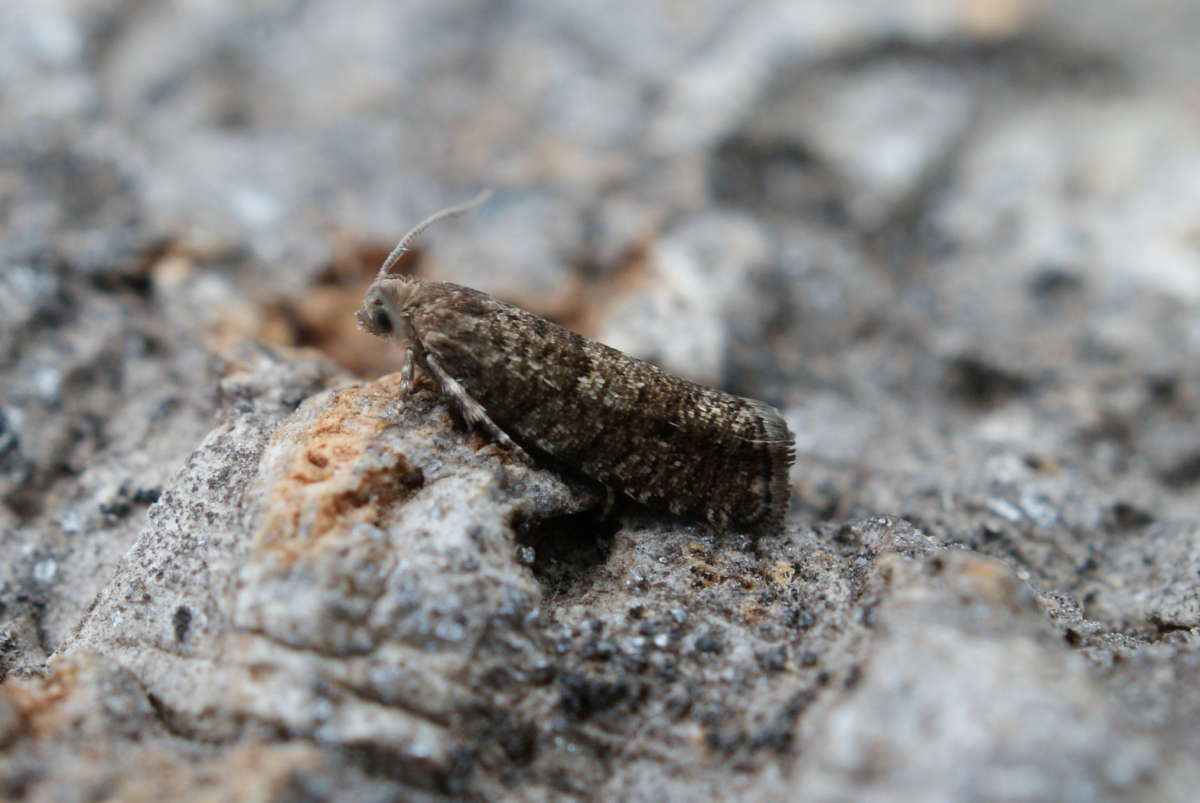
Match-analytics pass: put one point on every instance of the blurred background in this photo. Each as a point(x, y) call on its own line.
point(957, 242)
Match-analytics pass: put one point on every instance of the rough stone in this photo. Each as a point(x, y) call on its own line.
point(953, 241)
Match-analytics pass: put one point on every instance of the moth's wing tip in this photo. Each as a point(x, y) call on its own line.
point(781, 453)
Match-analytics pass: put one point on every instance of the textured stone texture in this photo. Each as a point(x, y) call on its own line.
point(955, 242)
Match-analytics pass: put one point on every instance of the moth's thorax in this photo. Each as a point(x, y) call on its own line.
point(386, 307)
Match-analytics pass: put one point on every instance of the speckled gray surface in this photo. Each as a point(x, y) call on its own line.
point(957, 243)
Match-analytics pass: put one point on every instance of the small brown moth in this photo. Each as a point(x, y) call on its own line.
point(535, 387)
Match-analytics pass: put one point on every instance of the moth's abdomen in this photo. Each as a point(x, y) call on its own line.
point(662, 440)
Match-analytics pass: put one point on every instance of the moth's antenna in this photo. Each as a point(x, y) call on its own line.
point(406, 240)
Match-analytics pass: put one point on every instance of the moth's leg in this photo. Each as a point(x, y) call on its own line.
point(472, 410)
point(610, 501)
point(406, 370)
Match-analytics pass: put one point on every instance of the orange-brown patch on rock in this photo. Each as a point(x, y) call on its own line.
point(704, 572)
point(991, 580)
point(592, 302)
point(754, 613)
point(41, 703)
point(334, 479)
point(323, 317)
point(781, 573)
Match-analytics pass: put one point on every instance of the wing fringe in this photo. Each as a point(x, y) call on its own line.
point(781, 453)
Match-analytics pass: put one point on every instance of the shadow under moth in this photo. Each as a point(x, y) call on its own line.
point(539, 389)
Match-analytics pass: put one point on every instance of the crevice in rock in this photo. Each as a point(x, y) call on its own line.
point(568, 551)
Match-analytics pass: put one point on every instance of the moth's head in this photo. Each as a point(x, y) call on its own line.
point(386, 306)
point(384, 311)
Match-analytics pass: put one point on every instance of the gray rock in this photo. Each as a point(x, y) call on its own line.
point(708, 277)
point(953, 242)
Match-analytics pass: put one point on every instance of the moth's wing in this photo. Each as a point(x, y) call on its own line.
point(663, 440)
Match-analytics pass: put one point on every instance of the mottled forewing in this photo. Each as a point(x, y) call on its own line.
point(660, 439)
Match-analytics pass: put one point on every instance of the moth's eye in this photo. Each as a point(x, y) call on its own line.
point(381, 320)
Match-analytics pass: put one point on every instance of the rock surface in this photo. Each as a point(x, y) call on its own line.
point(956, 243)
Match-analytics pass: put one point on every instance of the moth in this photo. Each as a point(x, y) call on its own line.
point(548, 394)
